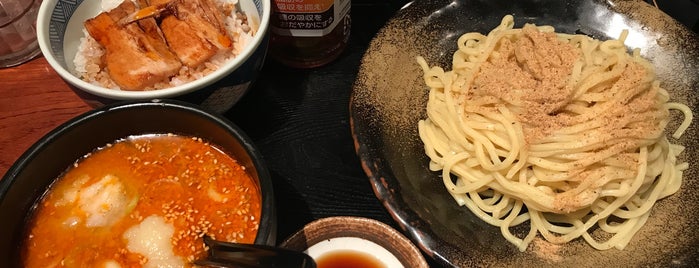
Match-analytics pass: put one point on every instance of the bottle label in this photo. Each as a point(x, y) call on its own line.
point(308, 18)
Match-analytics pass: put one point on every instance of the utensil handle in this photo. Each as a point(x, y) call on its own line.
point(224, 254)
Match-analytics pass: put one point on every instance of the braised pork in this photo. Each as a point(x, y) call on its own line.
point(195, 30)
point(137, 55)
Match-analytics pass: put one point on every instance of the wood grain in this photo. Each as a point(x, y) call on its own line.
point(33, 101)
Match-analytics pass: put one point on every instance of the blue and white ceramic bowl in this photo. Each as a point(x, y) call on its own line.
point(60, 27)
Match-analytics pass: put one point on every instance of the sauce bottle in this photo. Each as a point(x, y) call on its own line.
point(309, 33)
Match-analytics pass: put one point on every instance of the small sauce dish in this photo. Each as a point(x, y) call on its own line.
point(337, 242)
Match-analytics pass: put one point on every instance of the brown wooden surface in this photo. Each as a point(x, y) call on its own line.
point(33, 101)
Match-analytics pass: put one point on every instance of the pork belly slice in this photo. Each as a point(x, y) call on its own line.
point(137, 56)
point(195, 30)
point(190, 48)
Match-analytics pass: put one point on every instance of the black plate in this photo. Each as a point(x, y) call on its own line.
point(389, 98)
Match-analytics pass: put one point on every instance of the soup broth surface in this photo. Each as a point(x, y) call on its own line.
point(143, 201)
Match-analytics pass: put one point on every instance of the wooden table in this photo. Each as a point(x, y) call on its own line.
point(34, 101)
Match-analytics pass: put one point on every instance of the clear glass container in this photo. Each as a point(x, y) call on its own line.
point(18, 31)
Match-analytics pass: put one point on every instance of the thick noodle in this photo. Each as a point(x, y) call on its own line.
point(571, 138)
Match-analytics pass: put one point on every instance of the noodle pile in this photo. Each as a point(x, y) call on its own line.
point(563, 133)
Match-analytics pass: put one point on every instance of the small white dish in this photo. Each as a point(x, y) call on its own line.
point(353, 245)
point(356, 235)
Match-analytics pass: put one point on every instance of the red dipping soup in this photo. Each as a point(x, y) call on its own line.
point(143, 201)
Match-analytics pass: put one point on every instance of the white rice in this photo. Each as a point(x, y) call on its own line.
point(88, 60)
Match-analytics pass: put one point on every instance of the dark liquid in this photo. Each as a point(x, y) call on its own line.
point(348, 259)
point(310, 52)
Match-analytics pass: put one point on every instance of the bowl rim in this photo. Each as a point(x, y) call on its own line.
point(42, 28)
point(268, 219)
point(365, 228)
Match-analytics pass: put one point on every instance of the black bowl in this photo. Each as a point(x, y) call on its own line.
point(30, 176)
point(389, 98)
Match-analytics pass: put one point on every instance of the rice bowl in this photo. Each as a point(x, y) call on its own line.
point(90, 66)
point(60, 30)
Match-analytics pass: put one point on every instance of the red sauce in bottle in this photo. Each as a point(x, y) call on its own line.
point(309, 33)
point(348, 259)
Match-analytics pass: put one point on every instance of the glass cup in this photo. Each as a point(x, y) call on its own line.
point(18, 31)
